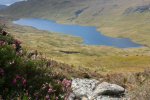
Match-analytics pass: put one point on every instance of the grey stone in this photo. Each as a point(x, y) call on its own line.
point(107, 98)
point(84, 98)
point(108, 89)
point(71, 96)
point(83, 87)
point(91, 89)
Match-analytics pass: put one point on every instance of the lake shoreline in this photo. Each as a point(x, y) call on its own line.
point(89, 38)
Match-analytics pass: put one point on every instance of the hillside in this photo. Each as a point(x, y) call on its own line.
point(28, 75)
point(50, 57)
point(80, 8)
point(25, 77)
point(116, 18)
point(100, 59)
point(2, 6)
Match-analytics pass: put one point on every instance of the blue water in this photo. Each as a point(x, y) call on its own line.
point(89, 34)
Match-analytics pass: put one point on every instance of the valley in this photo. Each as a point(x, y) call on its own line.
point(101, 59)
point(109, 17)
point(73, 49)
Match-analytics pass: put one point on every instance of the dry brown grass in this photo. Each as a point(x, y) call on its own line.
point(99, 59)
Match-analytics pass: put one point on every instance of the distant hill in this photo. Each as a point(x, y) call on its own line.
point(72, 9)
point(2, 6)
point(117, 18)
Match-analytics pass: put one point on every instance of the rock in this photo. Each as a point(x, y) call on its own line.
point(142, 9)
point(108, 98)
point(91, 89)
point(108, 89)
point(137, 9)
point(71, 96)
point(84, 98)
point(83, 87)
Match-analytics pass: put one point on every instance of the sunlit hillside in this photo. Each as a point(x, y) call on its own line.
point(107, 40)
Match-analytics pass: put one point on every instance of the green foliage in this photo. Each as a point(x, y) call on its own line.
point(2, 27)
point(9, 39)
point(23, 78)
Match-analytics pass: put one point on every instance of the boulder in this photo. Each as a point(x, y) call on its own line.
point(109, 98)
point(91, 89)
point(84, 98)
point(71, 96)
point(108, 89)
point(83, 87)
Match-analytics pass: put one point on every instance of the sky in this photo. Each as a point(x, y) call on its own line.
point(8, 2)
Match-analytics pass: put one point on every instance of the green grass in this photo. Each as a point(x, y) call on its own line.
point(100, 59)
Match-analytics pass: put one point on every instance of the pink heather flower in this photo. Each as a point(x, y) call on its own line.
point(47, 97)
point(56, 98)
point(50, 90)
point(66, 83)
point(2, 43)
point(1, 72)
point(18, 77)
point(24, 82)
point(17, 41)
point(14, 81)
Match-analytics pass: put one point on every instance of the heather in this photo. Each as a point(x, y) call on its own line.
point(25, 75)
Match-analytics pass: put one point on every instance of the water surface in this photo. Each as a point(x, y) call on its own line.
point(89, 34)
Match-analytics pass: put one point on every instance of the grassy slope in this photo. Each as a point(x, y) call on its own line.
point(100, 59)
point(136, 83)
point(110, 21)
point(94, 58)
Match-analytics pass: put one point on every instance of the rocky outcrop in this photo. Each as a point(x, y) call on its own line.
point(91, 89)
point(83, 87)
point(138, 9)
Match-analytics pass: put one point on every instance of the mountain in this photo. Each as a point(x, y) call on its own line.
point(2, 6)
point(116, 18)
point(72, 9)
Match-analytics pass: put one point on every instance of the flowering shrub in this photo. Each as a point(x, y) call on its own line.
point(2, 43)
point(1, 72)
point(26, 79)
point(66, 87)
